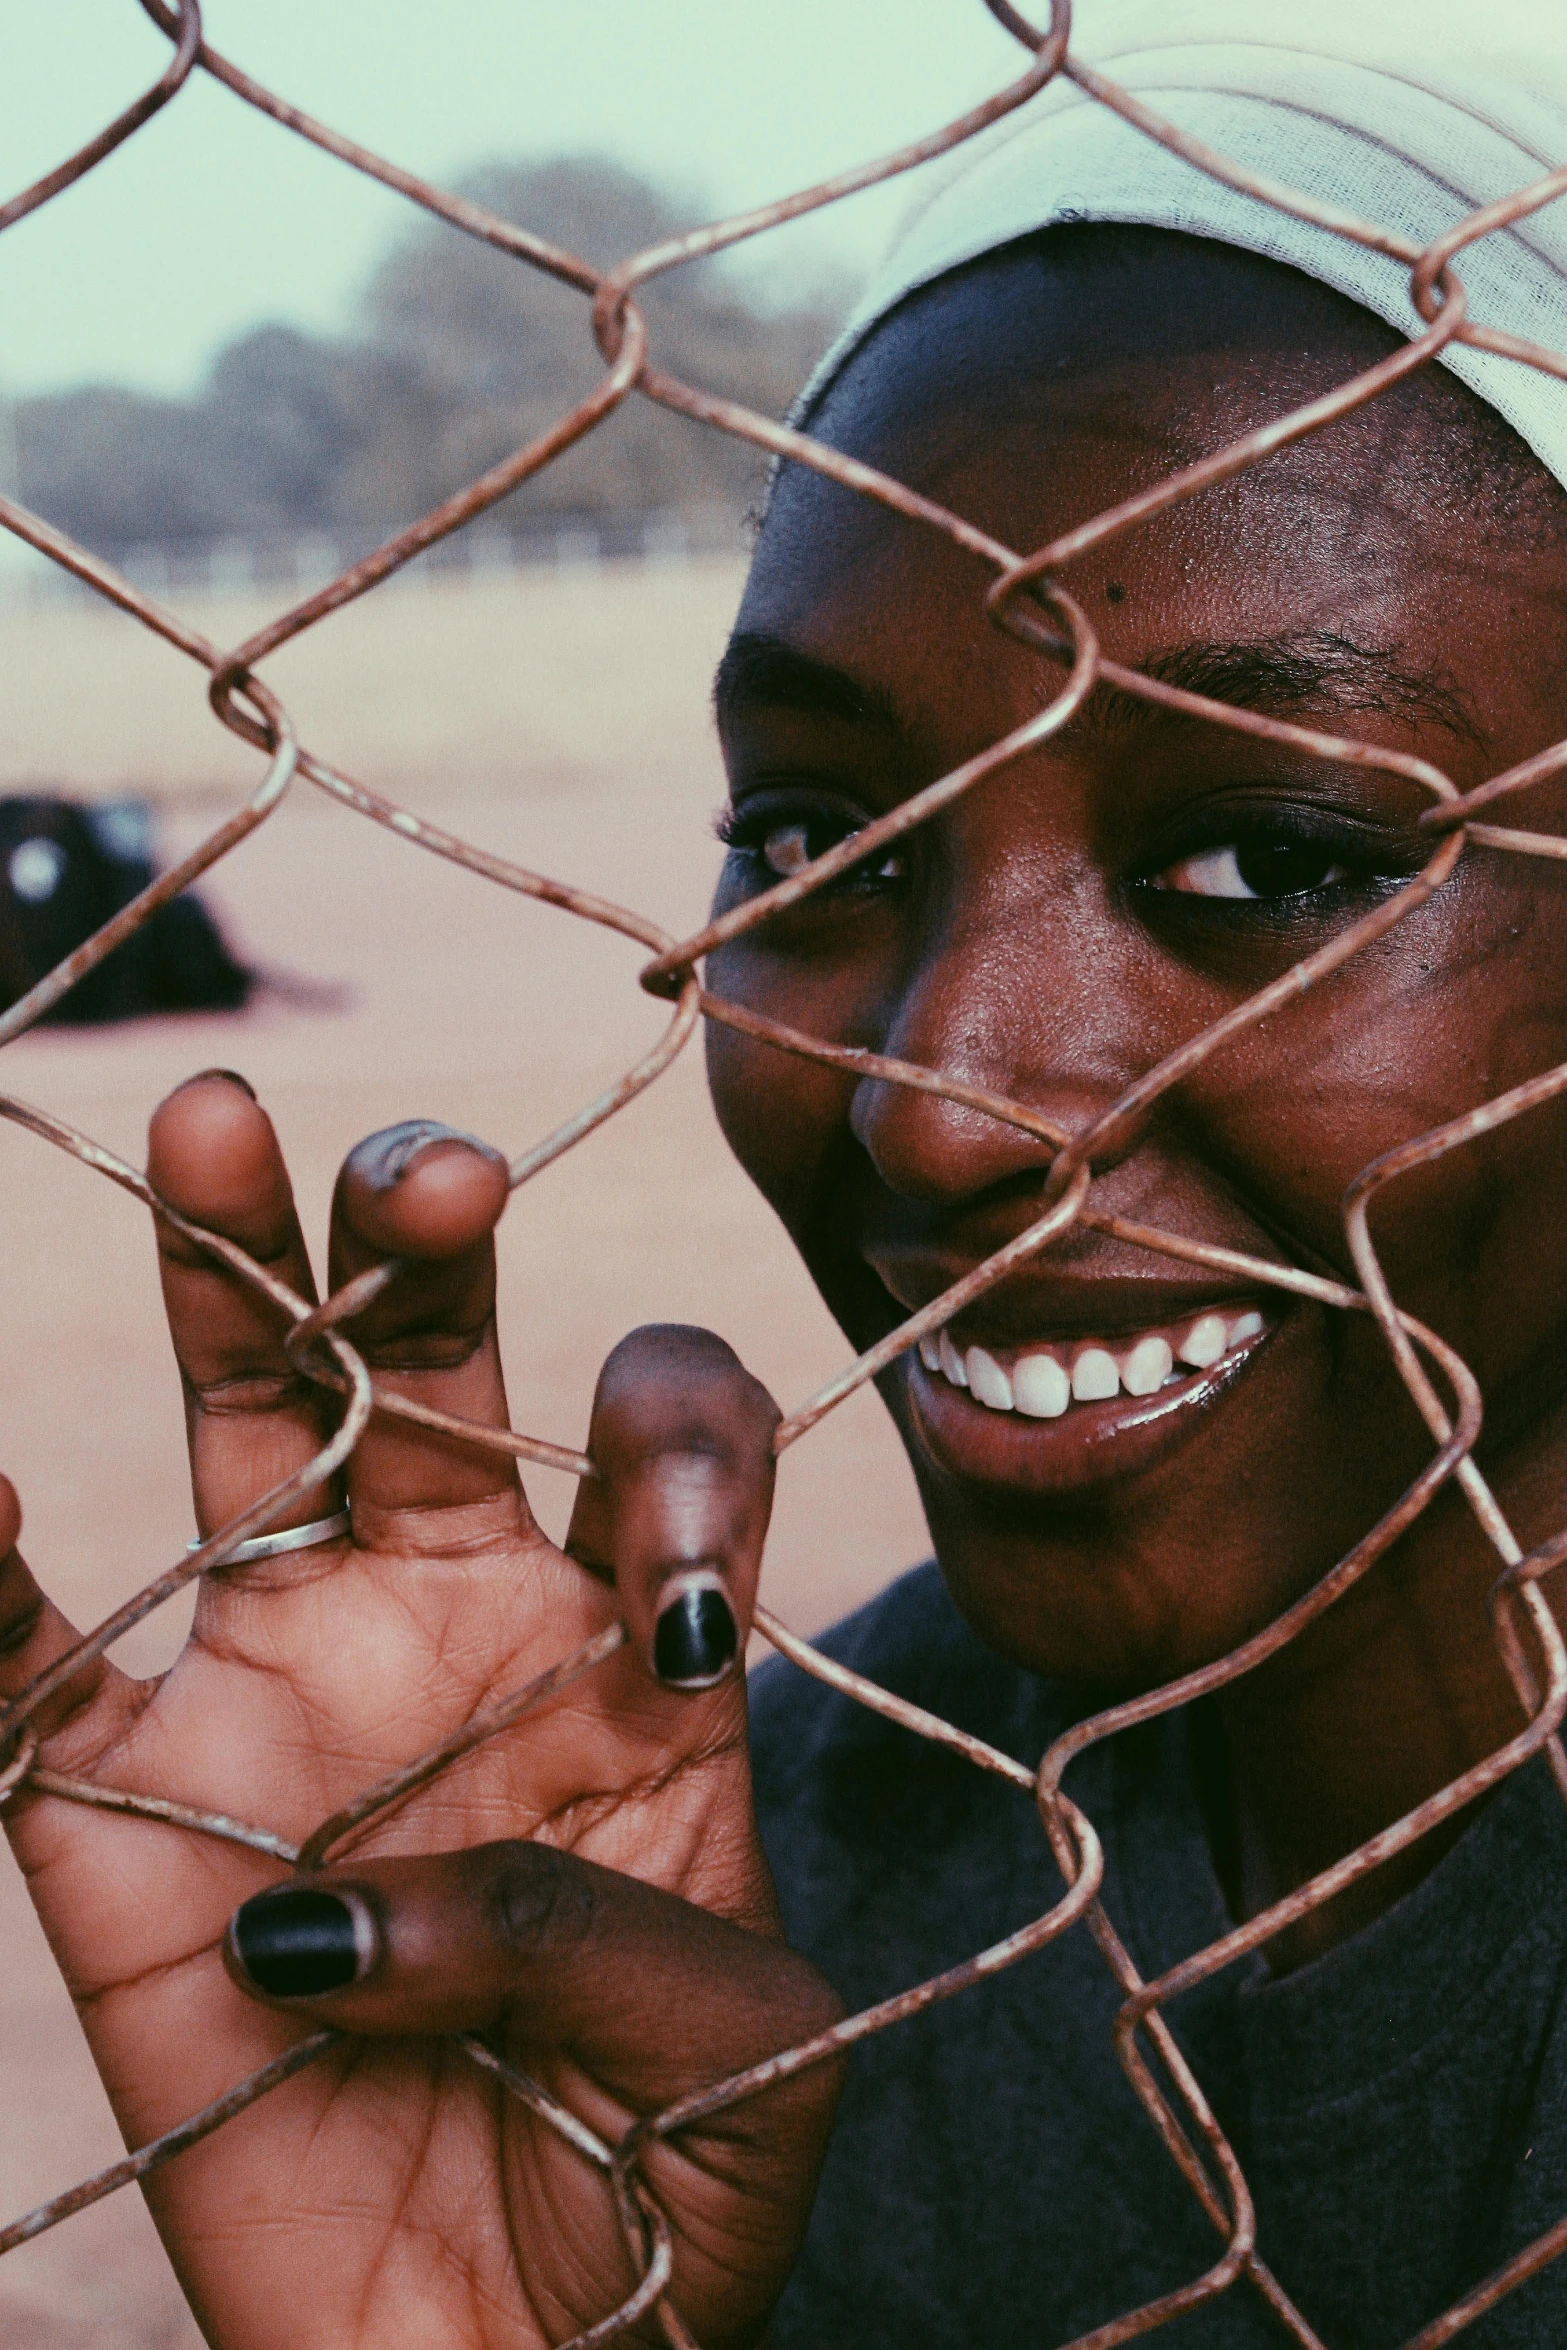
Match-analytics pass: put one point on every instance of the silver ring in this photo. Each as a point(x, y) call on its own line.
point(267, 1546)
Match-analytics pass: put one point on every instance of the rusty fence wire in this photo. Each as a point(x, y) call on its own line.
point(1028, 599)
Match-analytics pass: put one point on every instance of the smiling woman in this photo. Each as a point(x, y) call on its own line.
point(1054, 934)
point(1130, 1466)
point(1138, 1464)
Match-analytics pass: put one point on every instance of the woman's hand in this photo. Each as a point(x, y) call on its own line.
point(586, 1891)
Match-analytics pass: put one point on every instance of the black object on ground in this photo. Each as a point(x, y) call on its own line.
point(65, 869)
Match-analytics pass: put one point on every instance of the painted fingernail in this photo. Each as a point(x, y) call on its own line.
point(695, 1640)
point(229, 1077)
point(388, 1157)
point(296, 1942)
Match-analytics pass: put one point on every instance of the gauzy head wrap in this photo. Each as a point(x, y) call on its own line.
point(1410, 113)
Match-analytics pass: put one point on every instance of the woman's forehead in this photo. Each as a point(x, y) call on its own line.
point(1079, 304)
point(1031, 391)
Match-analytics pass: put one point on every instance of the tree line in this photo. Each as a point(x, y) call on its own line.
point(461, 354)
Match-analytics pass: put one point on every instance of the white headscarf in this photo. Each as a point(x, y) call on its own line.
point(1410, 113)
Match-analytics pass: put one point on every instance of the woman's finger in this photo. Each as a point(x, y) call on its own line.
point(649, 1992)
point(431, 1198)
point(34, 1635)
point(677, 1512)
point(251, 1419)
point(622, 1997)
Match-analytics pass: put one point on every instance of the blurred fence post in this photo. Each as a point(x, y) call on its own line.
point(578, 550)
point(231, 568)
point(666, 541)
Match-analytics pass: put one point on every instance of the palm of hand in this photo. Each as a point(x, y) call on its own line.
point(422, 2201)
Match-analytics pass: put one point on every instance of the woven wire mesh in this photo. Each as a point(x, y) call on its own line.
point(1026, 597)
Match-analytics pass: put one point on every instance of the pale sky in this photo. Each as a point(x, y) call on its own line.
point(212, 218)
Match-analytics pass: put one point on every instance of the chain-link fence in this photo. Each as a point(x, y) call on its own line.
point(1027, 599)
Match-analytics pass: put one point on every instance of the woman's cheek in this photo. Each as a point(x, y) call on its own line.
point(738, 1084)
point(1457, 1006)
point(778, 1114)
point(1475, 1243)
point(782, 1114)
point(1471, 1240)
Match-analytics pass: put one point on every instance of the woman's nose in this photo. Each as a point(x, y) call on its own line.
point(1022, 1008)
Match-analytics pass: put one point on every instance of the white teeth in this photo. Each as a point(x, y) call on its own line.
point(1145, 1369)
point(1204, 1342)
point(988, 1383)
point(1040, 1387)
point(1094, 1376)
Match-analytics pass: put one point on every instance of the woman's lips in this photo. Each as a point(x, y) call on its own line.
point(1052, 1417)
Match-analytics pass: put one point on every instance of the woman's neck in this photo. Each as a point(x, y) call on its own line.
point(1392, 1695)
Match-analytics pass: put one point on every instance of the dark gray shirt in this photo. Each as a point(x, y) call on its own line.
point(1399, 2105)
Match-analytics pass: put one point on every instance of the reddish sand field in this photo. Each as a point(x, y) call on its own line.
point(563, 723)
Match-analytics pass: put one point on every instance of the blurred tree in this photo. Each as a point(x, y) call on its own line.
point(289, 418)
point(464, 354)
point(113, 467)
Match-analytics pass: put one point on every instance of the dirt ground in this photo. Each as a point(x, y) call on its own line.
point(560, 720)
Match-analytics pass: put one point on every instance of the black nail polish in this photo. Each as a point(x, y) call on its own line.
point(386, 1158)
point(296, 1943)
point(695, 1640)
point(399, 1149)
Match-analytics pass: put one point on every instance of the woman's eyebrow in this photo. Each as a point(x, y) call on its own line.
point(766, 672)
point(1305, 674)
point(1309, 673)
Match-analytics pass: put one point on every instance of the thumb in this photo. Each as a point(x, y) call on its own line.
point(647, 1992)
point(598, 1984)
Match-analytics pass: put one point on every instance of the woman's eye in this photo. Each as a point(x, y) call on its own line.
point(781, 846)
point(785, 848)
point(1263, 868)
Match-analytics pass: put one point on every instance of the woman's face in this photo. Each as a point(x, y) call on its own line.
point(1110, 895)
